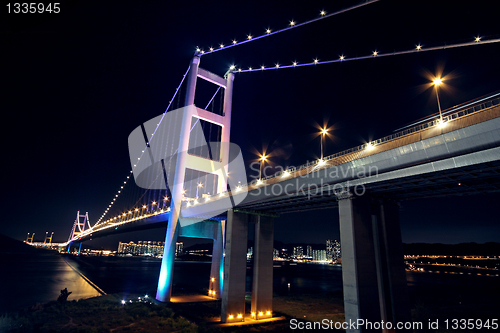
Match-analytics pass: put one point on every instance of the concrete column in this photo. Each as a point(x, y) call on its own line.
point(217, 270)
point(262, 289)
point(359, 275)
point(191, 82)
point(226, 132)
point(233, 295)
point(164, 290)
point(373, 273)
point(398, 304)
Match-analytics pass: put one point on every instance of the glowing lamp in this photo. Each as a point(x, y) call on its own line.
point(437, 81)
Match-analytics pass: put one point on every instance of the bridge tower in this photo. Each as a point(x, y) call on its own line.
point(29, 239)
point(81, 223)
point(48, 238)
point(184, 161)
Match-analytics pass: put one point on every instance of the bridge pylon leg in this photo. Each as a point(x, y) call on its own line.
point(262, 289)
point(235, 264)
point(372, 262)
point(164, 290)
point(217, 270)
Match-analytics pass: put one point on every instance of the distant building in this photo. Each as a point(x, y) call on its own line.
point(146, 248)
point(329, 250)
point(179, 247)
point(319, 255)
point(337, 253)
point(333, 251)
point(250, 252)
point(276, 254)
point(298, 252)
point(309, 251)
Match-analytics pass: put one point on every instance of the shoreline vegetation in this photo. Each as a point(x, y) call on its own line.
point(137, 314)
point(115, 313)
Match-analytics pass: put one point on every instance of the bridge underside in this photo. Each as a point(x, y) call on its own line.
point(482, 178)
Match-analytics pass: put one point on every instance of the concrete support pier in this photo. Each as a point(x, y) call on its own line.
point(217, 270)
point(164, 290)
point(372, 262)
point(235, 261)
point(262, 288)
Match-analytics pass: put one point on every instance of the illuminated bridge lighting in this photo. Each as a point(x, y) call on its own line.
point(376, 54)
point(291, 25)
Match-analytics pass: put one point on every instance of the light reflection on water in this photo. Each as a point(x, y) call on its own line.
point(27, 279)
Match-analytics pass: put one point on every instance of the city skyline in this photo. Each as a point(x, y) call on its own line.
point(79, 82)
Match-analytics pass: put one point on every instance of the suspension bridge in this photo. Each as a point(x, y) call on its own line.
point(191, 182)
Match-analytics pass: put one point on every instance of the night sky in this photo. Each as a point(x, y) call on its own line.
point(75, 84)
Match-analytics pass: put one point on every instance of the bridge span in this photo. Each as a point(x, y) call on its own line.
point(458, 157)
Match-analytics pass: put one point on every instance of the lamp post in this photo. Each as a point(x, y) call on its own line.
point(262, 159)
point(323, 132)
point(437, 81)
point(198, 186)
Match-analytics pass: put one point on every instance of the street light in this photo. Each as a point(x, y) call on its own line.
point(323, 133)
point(262, 159)
point(198, 187)
point(436, 82)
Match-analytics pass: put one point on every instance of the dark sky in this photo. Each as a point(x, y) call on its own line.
point(75, 84)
